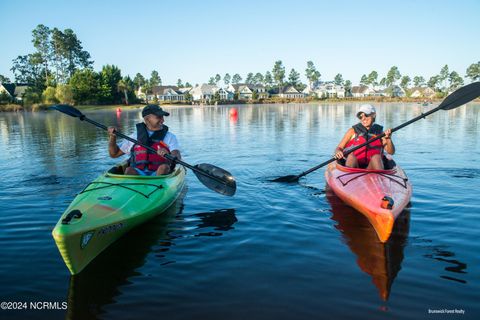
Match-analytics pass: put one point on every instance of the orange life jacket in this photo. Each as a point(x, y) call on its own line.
point(143, 158)
point(361, 135)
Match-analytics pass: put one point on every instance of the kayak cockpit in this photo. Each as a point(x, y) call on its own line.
point(388, 164)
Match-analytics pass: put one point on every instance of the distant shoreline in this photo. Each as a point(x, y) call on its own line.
point(17, 108)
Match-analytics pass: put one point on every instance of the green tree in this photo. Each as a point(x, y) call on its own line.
point(311, 73)
point(5, 97)
point(85, 85)
point(405, 82)
point(364, 80)
point(434, 82)
point(236, 78)
point(393, 76)
point(108, 85)
point(217, 79)
point(155, 79)
point(258, 78)
point(68, 54)
point(188, 85)
point(138, 81)
point(278, 73)
point(418, 81)
point(372, 78)
point(294, 78)
point(31, 96)
point(456, 81)
point(41, 41)
point(254, 95)
point(179, 83)
point(29, 69)
point(124, 86)
point(383, 82)
point(348, 87)
point(147, 90)
point(268, 80)
point(4, 79)
point(216, 96)
point(211, 81)
point(48, 95)
point(188, 97)
point(339, 79)
point(249, 79)
point(443, 77)
point(473, 71)
point(227, 78)
point(64, 93)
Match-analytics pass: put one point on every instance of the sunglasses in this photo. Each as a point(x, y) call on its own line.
point(361, 115)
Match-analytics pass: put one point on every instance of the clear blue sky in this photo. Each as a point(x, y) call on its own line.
point(194, 40)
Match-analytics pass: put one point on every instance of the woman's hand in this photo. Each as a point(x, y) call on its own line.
point(388, 133)
point(338, 154)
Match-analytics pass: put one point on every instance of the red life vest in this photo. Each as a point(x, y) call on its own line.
point(142, 158)
point(364, 154)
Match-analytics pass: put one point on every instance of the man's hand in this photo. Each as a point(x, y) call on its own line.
point(111, 132)
point(162, 151)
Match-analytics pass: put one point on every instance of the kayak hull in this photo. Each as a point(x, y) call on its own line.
point(108, 208)
point(380, 195)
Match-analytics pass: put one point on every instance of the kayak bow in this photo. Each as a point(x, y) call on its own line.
point(108, 208)
point(380, 195)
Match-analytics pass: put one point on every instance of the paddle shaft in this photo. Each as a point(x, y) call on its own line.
point(169, 157)
point(422, 116)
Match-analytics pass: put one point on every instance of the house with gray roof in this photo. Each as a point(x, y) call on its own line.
point(245, 90)
point(288, 92)
point(15, 91)
point(422, 92)
point(203, 92)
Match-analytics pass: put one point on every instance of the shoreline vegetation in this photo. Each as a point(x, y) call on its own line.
point(61, 71)
point(43, 107)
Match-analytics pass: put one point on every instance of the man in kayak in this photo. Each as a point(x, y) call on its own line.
point(369, 157)
point(151, 132)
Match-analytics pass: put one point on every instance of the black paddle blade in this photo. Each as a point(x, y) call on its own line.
point(461, 96)
point(289, 178)
point(67, 109)
point(216, 179)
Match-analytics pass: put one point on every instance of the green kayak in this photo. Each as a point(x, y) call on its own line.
point(109, 207)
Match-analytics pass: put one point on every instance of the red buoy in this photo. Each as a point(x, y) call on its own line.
point(233, 112)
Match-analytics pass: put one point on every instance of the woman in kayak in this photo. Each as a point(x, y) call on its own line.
point(369, 157)
point(151, 132)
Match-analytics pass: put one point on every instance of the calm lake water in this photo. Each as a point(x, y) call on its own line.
point(274, 251)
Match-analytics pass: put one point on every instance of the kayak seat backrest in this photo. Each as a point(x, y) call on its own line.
point(118, 169)
point(388, 164)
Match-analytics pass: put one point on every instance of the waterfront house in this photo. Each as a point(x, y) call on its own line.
point(422, 92)
point(203, 92)
point(288, 92)
point(15, 91)
point(224, 94)
point(362, 91)
point(168, 93)
point(245, 91)
point(330, 90)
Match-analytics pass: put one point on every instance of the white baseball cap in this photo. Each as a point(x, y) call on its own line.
point(368, 109)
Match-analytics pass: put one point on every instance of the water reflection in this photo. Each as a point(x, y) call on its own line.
point(219, 220)
point(381, 261)
point(99, 284)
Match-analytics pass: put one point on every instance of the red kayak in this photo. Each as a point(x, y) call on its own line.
point(380, 195)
